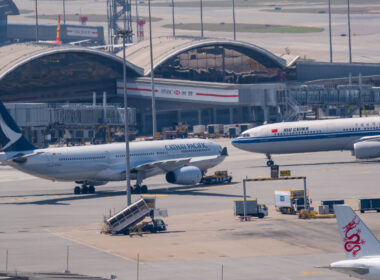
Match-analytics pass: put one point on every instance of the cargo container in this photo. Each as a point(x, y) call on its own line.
point(367, 204)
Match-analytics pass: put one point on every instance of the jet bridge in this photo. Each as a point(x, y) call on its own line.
point(130, 216)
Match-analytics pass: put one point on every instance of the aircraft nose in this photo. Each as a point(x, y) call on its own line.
point(236, 143)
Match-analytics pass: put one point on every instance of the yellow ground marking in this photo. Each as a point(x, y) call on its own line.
point(216, 186)
point(154, 195)
point(364, 172)
point(311, 272)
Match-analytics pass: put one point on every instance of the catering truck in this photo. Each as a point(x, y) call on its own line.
point(289, 201)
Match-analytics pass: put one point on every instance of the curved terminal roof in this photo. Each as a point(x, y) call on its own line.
point(165, 48)
point(8, 8)
point(16, 55)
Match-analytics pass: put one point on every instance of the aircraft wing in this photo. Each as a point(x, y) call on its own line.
point(164, 165)
point(371, 138)
point(361, 270)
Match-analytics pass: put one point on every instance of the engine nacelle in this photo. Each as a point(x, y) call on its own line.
point(187, 175)
point(367, 149)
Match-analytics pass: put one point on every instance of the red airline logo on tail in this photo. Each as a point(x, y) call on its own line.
point(352, 242)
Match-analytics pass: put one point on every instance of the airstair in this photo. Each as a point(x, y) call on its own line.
point(130, 216)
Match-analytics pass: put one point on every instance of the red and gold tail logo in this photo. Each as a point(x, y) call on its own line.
point(352, 240)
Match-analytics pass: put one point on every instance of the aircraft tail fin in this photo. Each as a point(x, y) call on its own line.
point(11, 138)
point(358, 240)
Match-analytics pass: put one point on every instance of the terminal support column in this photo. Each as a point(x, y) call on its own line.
point(199, 116)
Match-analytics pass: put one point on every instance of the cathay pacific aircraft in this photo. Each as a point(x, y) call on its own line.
point(360, 245)
point(183, 161)
point(359, 135)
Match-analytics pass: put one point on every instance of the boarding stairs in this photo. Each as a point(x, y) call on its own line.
point(130, 216)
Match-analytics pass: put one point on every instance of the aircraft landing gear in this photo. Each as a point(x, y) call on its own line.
point(137, 189)
point(270, 162)
point(77, 190)
point(84, 189)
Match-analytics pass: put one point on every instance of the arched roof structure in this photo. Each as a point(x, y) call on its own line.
point(165, 48)
point(8, 8)
point(46, 72)
point(16, 55)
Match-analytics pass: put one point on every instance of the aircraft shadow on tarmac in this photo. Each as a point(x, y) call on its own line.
point(193, 190)
point(323, 163)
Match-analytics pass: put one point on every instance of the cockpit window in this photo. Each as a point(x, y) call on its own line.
point(245, 135)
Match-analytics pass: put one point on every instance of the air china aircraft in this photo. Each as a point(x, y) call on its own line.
point(183, 161)
point(360, 245)
point(359, 135)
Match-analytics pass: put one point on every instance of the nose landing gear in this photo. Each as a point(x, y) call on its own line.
point(270, 162)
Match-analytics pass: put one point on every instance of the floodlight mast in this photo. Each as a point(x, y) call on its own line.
point(126, 34)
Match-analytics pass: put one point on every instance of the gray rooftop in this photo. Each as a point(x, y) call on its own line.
point(166, 47)
point(15, 55)
point(8, 8)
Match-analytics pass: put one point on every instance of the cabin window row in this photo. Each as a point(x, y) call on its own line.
point(83, 158)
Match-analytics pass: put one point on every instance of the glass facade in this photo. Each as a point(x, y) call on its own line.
point(222, 63)
point(61, 70)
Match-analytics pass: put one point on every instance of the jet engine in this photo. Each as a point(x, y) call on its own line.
point(187, 175)
point(367, 149)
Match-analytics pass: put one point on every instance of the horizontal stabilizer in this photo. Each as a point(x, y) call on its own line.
point(21, 157)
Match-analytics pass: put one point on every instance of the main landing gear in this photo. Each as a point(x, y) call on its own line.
point(84, 189)
point(270, 162)
point(137, 189)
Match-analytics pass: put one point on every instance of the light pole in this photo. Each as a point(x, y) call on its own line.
point(154, 121)
point(349, 31)
point(173, 18)
point(125, 33)
point(36, 11)
point(331, 55)
point(201, 18)
point(64, 11)
point(137, 17)
point(233, 17)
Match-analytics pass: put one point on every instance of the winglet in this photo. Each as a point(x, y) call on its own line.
point(224, 152)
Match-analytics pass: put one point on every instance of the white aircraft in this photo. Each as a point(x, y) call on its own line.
point(360, 135)
point(360, 245)
point(183, 161)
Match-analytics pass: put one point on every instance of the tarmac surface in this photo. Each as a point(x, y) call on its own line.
point(39, 219)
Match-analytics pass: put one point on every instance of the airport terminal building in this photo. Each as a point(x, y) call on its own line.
point(197, 80)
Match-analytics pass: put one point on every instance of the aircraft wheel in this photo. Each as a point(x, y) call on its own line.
point(137, 189)
point(77, 190)
point(84, 189)
point(144, 189)
point(91, 189)
point(270, 163)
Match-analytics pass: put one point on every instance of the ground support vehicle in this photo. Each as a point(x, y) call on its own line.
point(290, 201)
point(219, 177)
point(253, 209)
point(367, 204)
point(153, 226)
point(330, 204)
point(124, 220)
